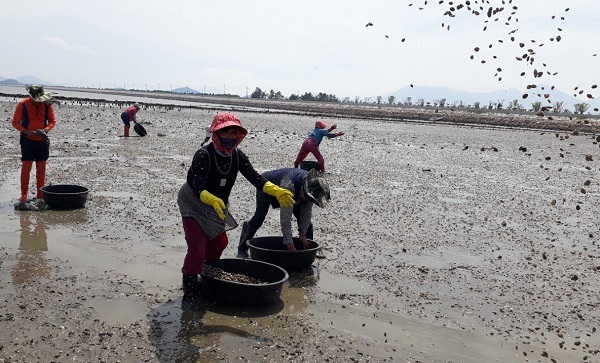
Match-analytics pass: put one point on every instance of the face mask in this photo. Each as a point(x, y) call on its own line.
point(227, 143)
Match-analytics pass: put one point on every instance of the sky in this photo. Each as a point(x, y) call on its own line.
point(234, 46)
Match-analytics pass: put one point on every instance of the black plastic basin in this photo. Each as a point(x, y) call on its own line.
point(272, 250)
point(65, 196)
point(244, 293)
point(308, 165)
point(139, 129)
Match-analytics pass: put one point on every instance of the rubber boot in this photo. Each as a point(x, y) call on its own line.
point(309, 231)
point(191, 293)
point(40, 177)
point(126, 131)
point(25, 172)
point(242, 247)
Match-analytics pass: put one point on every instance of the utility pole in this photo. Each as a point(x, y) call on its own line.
point(246, 91)
point(223, 88)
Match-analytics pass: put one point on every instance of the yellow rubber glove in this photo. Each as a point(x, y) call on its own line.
point(213, 201)
point(284, 196)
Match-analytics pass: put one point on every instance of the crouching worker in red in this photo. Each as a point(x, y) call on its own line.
point(34, 118)
point(204, 197)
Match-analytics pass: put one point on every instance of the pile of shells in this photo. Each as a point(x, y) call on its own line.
point(218, 273)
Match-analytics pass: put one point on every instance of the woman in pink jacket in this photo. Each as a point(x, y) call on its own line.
point(312, 142)
point(129, 115)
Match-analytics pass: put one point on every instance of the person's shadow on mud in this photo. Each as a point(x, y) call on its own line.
point(182, 336)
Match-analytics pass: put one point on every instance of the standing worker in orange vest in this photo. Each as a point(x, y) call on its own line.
point(34, 118)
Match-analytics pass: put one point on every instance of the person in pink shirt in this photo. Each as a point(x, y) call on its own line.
point(312, 142)
point(128, 116)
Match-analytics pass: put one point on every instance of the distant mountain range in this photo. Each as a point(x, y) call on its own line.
point(452, 97)
point(23, 80)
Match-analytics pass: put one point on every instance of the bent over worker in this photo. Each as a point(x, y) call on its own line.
point(309, 188)
point(129, 115)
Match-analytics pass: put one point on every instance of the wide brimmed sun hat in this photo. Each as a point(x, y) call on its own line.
point(227, 119)
point(224, 120)
point(38, 94)
point(316, 188)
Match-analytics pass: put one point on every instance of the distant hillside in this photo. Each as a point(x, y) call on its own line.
point(186, 90)
point(22, 81)
point(454, 97)
point(32, 80)
point(9, 82)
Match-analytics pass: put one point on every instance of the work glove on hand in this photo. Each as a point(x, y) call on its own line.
point(284, 196)
point(215, 202)
point(339, 134)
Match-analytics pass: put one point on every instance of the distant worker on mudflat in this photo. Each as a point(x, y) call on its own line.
point(129, 115)
point(312, 142)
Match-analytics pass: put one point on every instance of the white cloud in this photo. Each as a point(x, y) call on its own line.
point(63, 44)
point(307, 46)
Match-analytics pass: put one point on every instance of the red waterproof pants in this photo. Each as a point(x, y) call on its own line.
point(199, 247)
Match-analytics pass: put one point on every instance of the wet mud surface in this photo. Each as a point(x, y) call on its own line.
point(442, 243)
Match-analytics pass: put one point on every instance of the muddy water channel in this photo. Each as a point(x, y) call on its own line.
point(441, 244)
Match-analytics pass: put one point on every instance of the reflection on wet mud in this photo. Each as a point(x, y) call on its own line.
point(183, 336)
point(304, 278)
point(242, 310)
point(65, 217)
point(33, 245)
point(211, 335)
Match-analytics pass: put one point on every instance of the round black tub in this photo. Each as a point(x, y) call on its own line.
point(308, 165)
point(244, 293)
point(272, 250)
point(139, 129)
point(64, 196)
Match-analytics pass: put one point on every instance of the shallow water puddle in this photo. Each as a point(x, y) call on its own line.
point(340, 284)
point(118, 311)
point(433, 342)
point(48, 234)
point(444, 258)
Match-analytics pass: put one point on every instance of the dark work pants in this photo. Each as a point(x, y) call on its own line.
point(263, 204)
